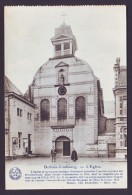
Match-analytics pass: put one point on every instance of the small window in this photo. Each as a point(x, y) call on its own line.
point(124, 97)
point(29, 116)
point(19, 112)
point(121, 105)
point(125, 107)
point(125, 140)
point(121, 143)
point(57, 47)
point(120, 98)
point(120, 112)
point(66, 45)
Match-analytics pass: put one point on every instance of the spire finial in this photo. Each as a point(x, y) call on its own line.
point(63, 15)
point(118, 60)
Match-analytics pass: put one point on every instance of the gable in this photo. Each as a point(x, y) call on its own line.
point(61, 64)
point(61, 37)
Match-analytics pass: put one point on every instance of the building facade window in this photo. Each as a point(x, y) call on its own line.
point(62, 109)
point(121, 107)
point(121, 143)
point(125, 107)
point(80, 108)
point(120, 112)
point(120, 98)
point(45, 109)
point(19, 139)
point(125, 140)
point(29, 116)
point(19, 112)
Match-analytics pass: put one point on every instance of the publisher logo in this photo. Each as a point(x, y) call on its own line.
point(15, 173)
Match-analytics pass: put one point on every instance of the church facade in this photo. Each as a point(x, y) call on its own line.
point(69, 110)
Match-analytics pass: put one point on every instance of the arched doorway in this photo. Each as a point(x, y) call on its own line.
point(62, 145)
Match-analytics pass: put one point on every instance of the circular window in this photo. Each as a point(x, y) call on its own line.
point(62, 90)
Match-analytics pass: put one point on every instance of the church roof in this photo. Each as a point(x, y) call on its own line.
point(122, 76)
point(64, 29)
point(10, 87)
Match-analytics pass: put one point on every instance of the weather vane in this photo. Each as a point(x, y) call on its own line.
point(63, 15)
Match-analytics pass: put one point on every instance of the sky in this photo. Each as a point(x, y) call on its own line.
point(100, 32)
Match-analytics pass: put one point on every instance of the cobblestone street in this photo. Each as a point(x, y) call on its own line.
point(64, 160)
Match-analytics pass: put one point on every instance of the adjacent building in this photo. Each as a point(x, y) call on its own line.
point(120, 94)
point(19, 122)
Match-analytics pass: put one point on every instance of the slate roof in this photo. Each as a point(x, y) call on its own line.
point(10, 87)
point(64, 29)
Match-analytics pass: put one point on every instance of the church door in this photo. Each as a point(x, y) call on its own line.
point(62, 146)
point(66, 148)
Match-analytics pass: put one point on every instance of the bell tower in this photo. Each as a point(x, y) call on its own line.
point(64, 42)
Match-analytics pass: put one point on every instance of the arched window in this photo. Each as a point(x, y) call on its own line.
point(62, 108)
point(80, 108)
point(45, 109)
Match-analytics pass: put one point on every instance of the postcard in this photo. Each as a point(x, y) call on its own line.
point(65, 97)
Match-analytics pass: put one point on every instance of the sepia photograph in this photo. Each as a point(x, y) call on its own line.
point(65, 87)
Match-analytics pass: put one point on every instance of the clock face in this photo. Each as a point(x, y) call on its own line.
point(62, 90)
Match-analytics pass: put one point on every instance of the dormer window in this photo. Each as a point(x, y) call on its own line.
point(66, 46)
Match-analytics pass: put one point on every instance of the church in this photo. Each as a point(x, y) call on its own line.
point(69, 110)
